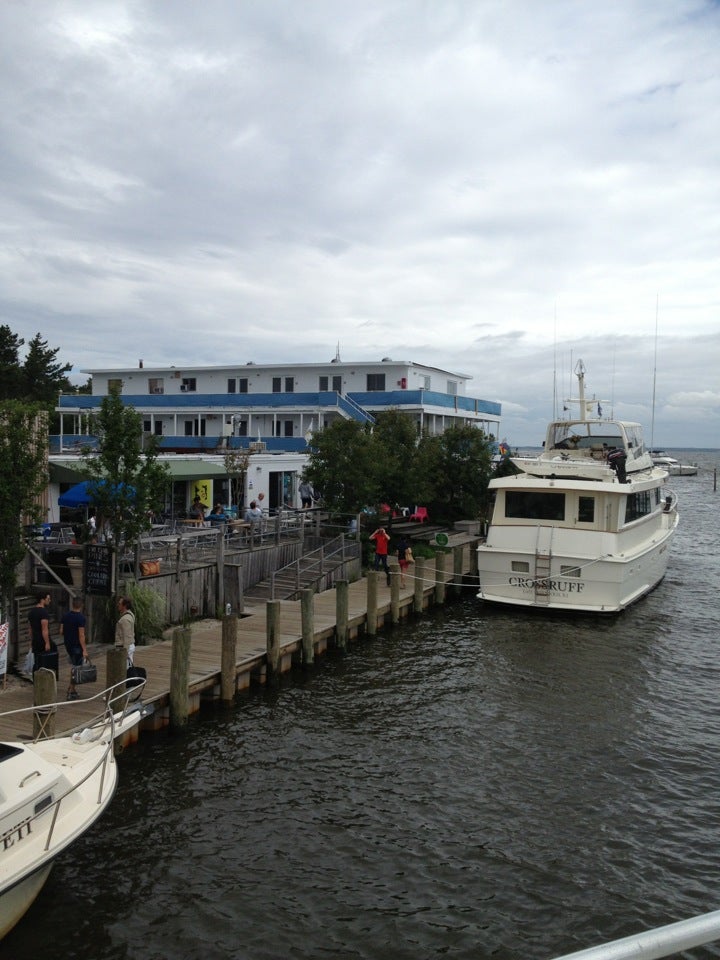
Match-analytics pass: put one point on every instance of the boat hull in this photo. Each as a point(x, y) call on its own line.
point(17, 900)
point(605, 585)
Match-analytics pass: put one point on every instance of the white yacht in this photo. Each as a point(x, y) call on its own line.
point(52, 790)
point(585, 525)
point(673, 466)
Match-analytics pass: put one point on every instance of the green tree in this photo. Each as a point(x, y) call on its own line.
point(236, 465)
point(43, 376)
point(458, 464)
point(342, 467)
point(23, 451)
point(128, 480)
point(10, 344)
point(401, 477)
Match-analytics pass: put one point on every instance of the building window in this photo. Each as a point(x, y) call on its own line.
point(243, 385)
point(115, 386)
point(277, 385)
point(188, 385)
point(452, 387)
point(232, 385)
point(242, 428)
point(324, 384)
point(426, 383)
point(288, 428)
point(375, 382)
point(337, 384)
point(289, 385)
point(156, 385)
point(191, 428)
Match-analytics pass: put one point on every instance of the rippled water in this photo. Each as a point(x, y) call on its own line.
point(472, 784)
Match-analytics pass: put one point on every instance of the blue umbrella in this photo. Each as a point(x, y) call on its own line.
point(82, 493)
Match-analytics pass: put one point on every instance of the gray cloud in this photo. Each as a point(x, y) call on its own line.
point(482, 186)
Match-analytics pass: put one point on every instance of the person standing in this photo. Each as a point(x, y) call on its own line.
point(125, 629)
point(307, 494)
point(382, 542)
point(72, 630)
point(405, 558)
point(39, 629)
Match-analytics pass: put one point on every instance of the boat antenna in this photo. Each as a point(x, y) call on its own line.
point(555, 397)
point(652, 421)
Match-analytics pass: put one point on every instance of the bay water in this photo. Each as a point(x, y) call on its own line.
point(476, 783)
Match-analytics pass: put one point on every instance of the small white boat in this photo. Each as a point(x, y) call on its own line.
point(673, 466)
point(584, 526)
point(52, 791)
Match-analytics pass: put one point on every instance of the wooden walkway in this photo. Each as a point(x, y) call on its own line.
point(251, 664)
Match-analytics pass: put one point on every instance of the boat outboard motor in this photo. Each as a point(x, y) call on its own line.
point(617, 458)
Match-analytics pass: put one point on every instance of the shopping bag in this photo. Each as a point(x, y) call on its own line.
point(135, 676)
point(84, 672)
point(48, 660)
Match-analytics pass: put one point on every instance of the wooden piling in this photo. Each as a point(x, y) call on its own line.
point(228, 657)
point(179, 673)
point(418, 571)
point(440, 577)
point(457, 570)
point(372, 603)
point(116, 671)
point(272, 609)
point(342, 603)
point(307, 616)
point(44, 691)
point(395, 595)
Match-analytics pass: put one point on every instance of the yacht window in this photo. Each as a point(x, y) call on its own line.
point(530, 505)
point(520, 566)
point(586, 509)
point(6, 751)
point(569, 571)
point(638, 505)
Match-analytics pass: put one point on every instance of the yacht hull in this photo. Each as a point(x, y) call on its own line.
point(605, 584)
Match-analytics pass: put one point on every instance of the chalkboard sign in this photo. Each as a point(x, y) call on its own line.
point(98, 569)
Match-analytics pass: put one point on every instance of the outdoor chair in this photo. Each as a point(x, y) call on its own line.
point(420, 514)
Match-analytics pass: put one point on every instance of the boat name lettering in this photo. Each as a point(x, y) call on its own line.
point(560, 586)
point(18, 832)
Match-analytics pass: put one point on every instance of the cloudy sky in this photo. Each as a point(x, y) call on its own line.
point(496, 187)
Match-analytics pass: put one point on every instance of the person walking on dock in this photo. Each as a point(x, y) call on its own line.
point(72, 630)
point(125, 628)
point(382, 541)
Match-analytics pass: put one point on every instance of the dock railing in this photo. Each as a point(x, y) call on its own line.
point(653, 944)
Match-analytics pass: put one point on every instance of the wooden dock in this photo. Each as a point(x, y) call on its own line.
point(426, 585)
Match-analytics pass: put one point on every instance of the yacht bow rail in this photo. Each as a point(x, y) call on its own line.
point(654, 944)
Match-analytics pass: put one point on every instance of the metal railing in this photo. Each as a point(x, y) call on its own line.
point(310, 568)
point(653, 944)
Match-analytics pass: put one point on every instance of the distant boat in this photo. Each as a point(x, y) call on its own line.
point(584, 526)
point(51, 792)
point(673, 466)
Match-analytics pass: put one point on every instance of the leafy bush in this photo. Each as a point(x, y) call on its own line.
point(149, 609)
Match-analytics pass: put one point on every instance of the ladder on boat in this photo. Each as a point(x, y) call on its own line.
point(543, 561)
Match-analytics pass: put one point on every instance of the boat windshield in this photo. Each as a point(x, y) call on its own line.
point(574, 435)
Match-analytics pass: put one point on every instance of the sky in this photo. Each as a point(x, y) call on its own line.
point(495, 187)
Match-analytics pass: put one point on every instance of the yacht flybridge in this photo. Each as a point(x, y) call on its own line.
point(584, 526)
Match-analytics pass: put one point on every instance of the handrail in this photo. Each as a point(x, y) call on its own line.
point(653, 944)
point(338, 545)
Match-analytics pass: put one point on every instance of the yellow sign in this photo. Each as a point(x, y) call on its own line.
point(202, 489)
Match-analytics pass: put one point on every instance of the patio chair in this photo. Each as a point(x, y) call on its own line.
point(420, 514)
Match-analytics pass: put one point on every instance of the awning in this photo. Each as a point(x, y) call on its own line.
point(180, 468)
point(193, 469)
